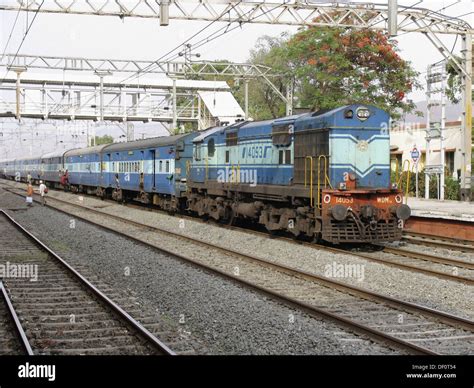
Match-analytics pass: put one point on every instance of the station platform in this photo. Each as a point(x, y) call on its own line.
point(451, 219)
point(449, 210)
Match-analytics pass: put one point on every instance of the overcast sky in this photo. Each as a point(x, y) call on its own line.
point(133, 38)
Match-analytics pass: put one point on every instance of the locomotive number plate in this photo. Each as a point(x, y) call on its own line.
point(344, 200)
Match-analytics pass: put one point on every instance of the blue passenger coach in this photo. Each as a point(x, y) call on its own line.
point(85, 169)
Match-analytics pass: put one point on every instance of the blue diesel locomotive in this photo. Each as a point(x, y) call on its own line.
point(324, 175)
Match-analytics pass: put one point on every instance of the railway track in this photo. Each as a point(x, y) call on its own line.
point(13, 340)
point(456, 270)
point(60, 310)
point(411, 327)
point(450, 269)
point(436, 242)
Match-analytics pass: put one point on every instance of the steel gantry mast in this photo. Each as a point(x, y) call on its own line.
point(296, 13)
point(290, 12)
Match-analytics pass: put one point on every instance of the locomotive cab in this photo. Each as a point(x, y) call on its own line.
point(357, 202)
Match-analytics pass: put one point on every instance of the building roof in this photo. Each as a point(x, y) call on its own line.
point(222, 105)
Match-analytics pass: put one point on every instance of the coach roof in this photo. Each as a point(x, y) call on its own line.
point(144, 144)
point(85, 151)
point(55, 154)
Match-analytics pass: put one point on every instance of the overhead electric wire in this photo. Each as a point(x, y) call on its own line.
point(23, 40)
point(11, 32)
point(437, 12)
point(155, 63)
point(201, 42)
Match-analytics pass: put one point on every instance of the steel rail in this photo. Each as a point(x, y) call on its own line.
point(434, 241)
point(127, 318)
point(428, 257)
point(25, 344)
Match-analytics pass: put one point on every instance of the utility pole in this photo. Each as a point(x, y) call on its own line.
point(101, 75)
point(18, 70)
point(466, 78)
point(289, 98)
point(164, 12)
point(392, 17)
point(175, 107)
point(246, 97)
point(435, 130)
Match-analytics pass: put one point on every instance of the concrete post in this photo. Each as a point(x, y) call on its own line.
point(467, 117)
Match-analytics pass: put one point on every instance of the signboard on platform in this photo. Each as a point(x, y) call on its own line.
point(415, 155)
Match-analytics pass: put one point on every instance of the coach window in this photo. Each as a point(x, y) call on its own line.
point(288, 157)
point(167, 166)
point(227, 156)
point(160, 169)
point(211, 148)
point(197, 152)
point(280, 157)
point(231, 139)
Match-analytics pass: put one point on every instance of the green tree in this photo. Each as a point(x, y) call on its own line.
point(454, 84)
point(335, 66)
point(106, 139)
point(264, 102)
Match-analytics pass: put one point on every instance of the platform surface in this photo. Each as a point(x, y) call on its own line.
point(450, 210)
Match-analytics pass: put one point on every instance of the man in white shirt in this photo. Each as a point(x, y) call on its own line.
point(42, 192)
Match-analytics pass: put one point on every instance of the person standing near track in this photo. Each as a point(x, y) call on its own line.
point(29, 195)
point(42, 191)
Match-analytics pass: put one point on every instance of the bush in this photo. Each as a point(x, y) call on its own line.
point(451, 186)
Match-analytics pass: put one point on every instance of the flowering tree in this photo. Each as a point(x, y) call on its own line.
point(336, 66)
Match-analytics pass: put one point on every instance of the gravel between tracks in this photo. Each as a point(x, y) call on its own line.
point(418, 288)
point(225, 317)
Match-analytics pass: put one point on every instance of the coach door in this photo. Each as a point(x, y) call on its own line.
point(153, 168)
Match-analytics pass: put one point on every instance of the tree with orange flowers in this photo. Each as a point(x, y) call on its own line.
point(336, 66)
point(331, 67)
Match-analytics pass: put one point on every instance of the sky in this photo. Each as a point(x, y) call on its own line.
point(133, 38)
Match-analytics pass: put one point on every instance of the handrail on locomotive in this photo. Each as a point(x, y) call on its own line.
point(327, 182)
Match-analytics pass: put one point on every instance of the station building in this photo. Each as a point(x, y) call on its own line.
point(405, 138)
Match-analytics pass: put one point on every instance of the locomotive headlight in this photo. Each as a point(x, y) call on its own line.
point(339, 212)
point(363, 113)
point(403, 212)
